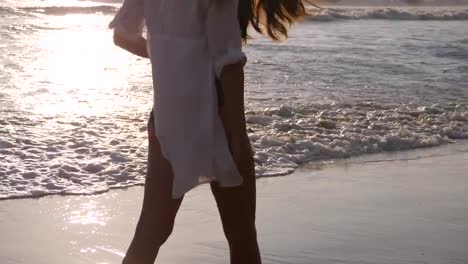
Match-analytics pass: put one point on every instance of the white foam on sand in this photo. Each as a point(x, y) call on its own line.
point(287, 136)
point(398, 208)
point(84, 155)
point(89, 155)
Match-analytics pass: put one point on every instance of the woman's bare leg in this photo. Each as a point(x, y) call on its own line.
point(236, 207)
point(159, 209)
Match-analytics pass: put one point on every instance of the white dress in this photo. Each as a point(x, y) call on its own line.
point(189, 42)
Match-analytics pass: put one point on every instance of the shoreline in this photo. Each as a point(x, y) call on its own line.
point(318, 163)
point(407, 207)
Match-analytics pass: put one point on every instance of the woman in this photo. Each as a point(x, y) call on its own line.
point(197, 131)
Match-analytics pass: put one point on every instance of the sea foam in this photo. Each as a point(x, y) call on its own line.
point(94, 155)
point(288, 136)
point(333, 14)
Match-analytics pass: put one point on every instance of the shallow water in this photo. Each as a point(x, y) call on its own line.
point(73, 108)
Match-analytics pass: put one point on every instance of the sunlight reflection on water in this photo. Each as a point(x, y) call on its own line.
point(78, 69)
point(88, 213)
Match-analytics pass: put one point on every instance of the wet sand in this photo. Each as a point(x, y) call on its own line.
point(402, 207)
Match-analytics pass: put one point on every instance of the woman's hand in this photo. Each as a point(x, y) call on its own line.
point(233, 116)
point(137, 47)
point(241, 151)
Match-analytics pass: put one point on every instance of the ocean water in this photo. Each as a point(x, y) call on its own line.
point(349, 81)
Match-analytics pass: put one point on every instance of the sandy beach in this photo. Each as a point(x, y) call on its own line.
point(400, 207)
point(353, 121)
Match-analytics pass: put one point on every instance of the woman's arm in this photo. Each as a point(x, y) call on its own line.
point(137, 47)
point(233, 114)
point(128, 26)
point(225, 47)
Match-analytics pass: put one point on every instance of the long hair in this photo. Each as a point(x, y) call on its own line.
point(270, 17)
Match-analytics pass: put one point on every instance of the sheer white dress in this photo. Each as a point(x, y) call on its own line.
point(189, 42)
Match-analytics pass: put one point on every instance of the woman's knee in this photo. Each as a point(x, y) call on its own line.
point(156, 236)
point(162, 236)
point(241, 234)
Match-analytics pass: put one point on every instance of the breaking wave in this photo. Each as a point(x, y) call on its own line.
point(333, 14)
